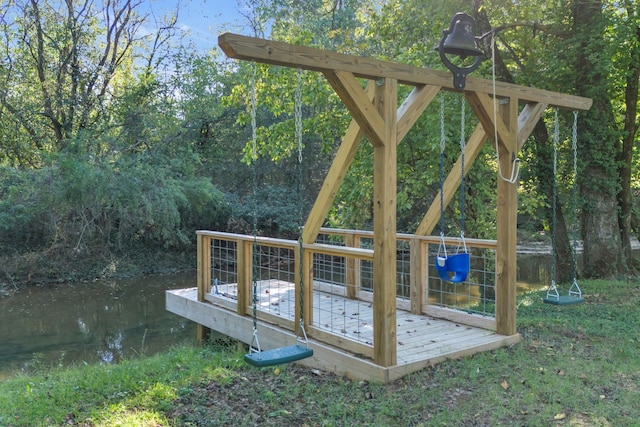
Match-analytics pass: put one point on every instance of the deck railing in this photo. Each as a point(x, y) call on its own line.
point(337, 275)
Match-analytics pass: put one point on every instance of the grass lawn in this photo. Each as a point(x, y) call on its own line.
point(576, 366)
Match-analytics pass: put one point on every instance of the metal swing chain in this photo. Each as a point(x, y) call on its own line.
point(443, 141)
point(574, 146)
point(463, 144)
point(575, 288)
point(254, 183)
point(553, 290)
point(298, 132)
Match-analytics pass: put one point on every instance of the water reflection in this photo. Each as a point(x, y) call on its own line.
point(93, 322)
point(533, 272)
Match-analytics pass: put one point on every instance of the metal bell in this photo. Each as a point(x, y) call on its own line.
point(460, 37)
point(459, 40)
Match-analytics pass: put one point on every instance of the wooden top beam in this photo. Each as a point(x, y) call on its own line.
point(288, 55)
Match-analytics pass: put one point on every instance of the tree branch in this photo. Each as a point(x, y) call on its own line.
point(536, 26)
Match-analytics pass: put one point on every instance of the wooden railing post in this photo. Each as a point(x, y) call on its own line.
point(245, 275)
point(307, 291)
point(352, 265)
point(203, 279)
point(417, 268)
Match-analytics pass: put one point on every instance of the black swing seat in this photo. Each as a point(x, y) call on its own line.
point(564, 300)
point(278, 356)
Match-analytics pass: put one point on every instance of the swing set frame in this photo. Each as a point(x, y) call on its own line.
point(377, 115)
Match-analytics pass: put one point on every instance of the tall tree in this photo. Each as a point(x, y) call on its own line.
point(597, 143)
point(59, 61)
point(626, 29)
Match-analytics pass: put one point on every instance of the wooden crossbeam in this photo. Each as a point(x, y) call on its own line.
point(278, 53)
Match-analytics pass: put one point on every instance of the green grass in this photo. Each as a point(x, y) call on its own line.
point(577, 365)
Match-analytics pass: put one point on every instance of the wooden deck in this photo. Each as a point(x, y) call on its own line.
point(347, 324)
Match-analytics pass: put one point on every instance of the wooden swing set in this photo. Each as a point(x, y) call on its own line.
point(376, 114)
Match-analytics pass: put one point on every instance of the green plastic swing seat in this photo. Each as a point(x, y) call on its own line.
point(278, 356)
point(564, 300)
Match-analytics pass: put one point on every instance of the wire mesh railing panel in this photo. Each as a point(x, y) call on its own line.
point(329, 269)
point(366, 267)
point(224, 268)
point(476, 294)
point(274, 276)
point(403, 270)
point(338, 306)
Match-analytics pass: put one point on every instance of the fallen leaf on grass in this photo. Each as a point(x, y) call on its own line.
point(279, 412)
point(560, 416)
point(505, 384)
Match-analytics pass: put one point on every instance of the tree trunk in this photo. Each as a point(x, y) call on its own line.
point(626, 153)
point(597, 147)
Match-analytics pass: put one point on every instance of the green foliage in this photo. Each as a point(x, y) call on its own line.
point(275, 209)
point(88, 205)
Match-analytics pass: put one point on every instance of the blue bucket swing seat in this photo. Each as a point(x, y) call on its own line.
point(452, 268)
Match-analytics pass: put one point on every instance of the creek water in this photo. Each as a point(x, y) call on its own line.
point(107, 321)
point(100, 322)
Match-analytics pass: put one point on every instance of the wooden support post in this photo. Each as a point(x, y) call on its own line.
point(203, 280)
point(507, 224)
point(384, 229)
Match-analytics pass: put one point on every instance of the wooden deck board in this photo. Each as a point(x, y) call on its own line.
point(422, 340)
